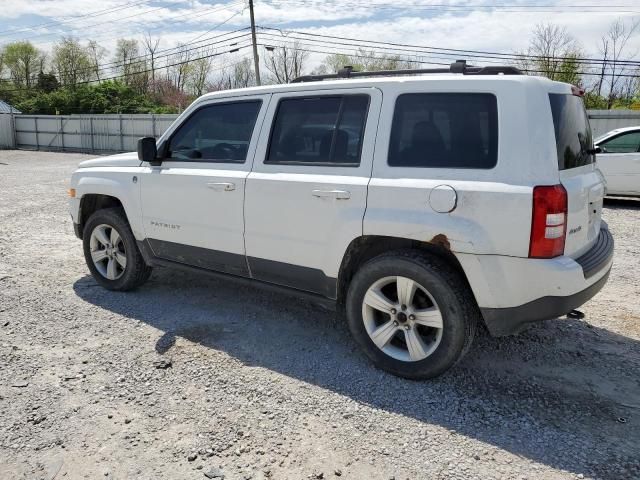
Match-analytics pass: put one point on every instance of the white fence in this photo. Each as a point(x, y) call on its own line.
point(6, 131)
point(119, 133)
point(83, 133)
point(603, 121)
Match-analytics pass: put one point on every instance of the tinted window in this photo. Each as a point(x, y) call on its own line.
point(625, 143)
point(452, 130)
point(573, 133)
point(215, 133)
point(319, 130)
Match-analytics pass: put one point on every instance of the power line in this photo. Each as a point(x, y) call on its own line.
point(140, 72)
point(393, 51)
point(221, 67)
point(179, 48)
point(133, 64)
point(401, 53)
point(174, 19)
point(369, 56)
point(498, 55)
point(216, 26)
point(96, 13)
point(141, 59)
point(508, 8)
point(188, 14)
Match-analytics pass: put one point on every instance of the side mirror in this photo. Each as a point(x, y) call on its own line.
point(147, 151)
point(595, 150)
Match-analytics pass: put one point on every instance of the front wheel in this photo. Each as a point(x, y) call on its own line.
point(111, 252)
point(413, 315)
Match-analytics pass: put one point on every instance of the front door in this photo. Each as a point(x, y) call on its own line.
point(192, 204)
point(620, 163)
point(306, 196)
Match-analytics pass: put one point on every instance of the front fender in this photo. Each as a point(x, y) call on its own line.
point(122, 184)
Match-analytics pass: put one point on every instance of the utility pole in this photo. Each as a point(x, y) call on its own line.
point(256, 61)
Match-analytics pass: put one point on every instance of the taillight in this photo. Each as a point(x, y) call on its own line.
point(549, 222)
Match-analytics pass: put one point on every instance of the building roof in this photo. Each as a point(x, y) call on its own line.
point(6, 108)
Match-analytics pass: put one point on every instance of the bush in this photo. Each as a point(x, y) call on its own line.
point(105, 97)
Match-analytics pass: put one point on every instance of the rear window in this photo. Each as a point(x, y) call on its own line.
point(573, 133)
point(326, 130)
point(444, 130)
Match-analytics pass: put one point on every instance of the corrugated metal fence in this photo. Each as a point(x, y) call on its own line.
point(83, 133)
point(119, 133)
point(6, 131)
point(603, 121)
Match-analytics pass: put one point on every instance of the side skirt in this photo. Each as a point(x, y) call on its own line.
point(152, 260)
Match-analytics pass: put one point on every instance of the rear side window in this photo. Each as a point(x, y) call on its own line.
point(624, 143)
point(573, 132)
point(215, 133)
point(444, 130)
point(318, 130)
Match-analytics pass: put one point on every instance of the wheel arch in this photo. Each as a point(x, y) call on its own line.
point(96, 190)
point(92, 202)
point(366, 247)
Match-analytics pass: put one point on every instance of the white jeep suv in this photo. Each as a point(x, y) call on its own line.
point(422, 204)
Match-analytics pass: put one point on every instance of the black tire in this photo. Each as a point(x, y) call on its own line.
point(136, 271)
point(449, 290)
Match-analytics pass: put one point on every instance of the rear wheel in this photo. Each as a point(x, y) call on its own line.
point(111, 252)
point(413, 315)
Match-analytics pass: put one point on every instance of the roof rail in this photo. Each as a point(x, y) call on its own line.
point(459, 66)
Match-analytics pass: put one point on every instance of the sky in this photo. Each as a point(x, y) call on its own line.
point(502, 25)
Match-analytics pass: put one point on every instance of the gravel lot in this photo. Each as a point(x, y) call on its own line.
point(191, 376)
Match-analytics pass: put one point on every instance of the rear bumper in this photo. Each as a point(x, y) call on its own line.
point(594, 260)
point(508, 321)
point(512, 292)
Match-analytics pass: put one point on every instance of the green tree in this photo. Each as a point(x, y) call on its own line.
point(621, 87)
point(24, 62)
point(238, 75)
point(363, 60)
point(130, 65)
point(552, 53)
point(106, 97)
point(47, 82)
point(71, 61)
point(286, 63)
point(96, 54)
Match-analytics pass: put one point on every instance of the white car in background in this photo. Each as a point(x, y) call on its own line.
point(619, 160)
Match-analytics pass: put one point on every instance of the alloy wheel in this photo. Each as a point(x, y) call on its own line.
point(108, 252)
point(402, 318)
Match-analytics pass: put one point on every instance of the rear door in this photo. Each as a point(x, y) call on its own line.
point(307, 192)
point(620, 163)
point(578, 175)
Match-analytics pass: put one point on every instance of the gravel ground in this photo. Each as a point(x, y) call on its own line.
point(191, 376)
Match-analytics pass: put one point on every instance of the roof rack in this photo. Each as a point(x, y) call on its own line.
point(459, 66)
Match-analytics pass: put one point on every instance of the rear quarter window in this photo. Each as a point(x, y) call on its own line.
point(444, 130)
point(574, 141)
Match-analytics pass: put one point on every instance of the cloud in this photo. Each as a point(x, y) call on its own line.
point(468, 25)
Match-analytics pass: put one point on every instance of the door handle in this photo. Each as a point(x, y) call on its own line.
point(221, 186)
point(337, 194)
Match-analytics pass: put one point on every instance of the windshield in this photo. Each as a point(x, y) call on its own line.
point(573, 133)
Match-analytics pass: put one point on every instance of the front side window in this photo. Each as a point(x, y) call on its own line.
point(215, 133)
point(624, 143)
point(318, 130)
point(444, 130)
